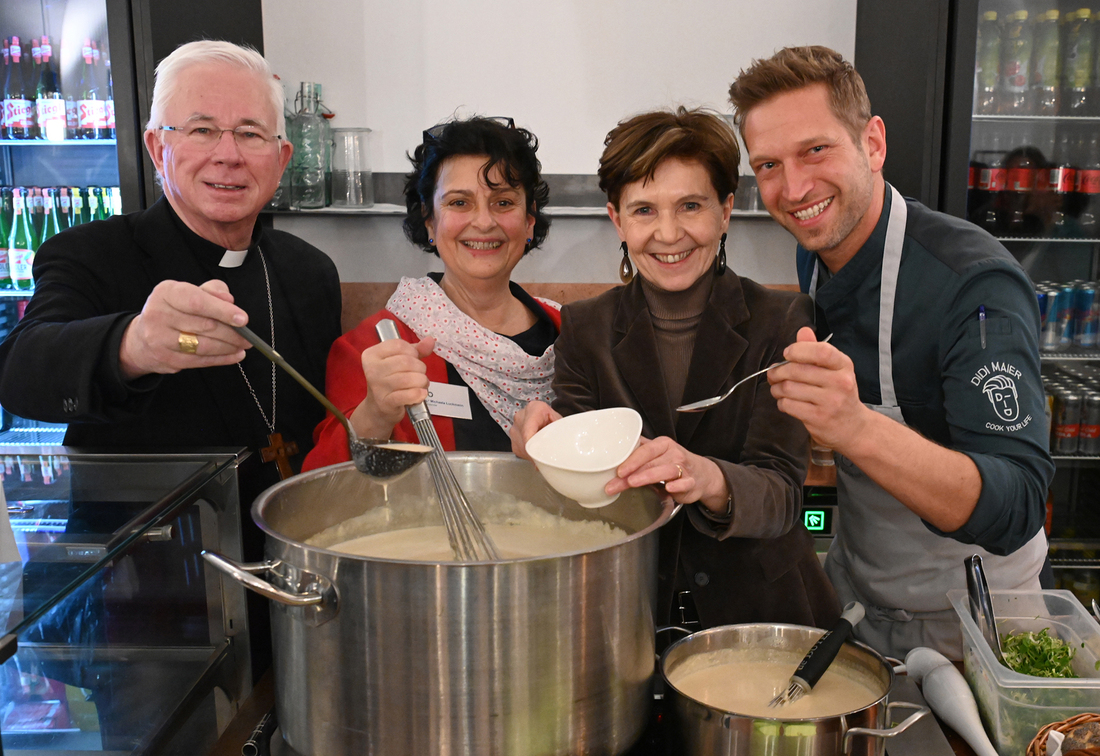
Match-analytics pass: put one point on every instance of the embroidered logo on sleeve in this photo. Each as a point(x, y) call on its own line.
point(997, 381)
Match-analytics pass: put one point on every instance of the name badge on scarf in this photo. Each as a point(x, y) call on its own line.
point(446, 400)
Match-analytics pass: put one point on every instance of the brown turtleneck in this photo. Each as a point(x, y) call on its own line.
point(676, 316)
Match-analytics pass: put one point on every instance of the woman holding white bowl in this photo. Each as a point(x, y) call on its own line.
point(685, 328)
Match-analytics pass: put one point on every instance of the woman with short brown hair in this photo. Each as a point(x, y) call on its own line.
point(685, 328)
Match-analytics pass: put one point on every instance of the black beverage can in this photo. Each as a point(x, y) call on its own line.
point(1066, 430)
point(1089, 433)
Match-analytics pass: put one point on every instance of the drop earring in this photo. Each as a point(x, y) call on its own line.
point(626, 270)
point(720, 261)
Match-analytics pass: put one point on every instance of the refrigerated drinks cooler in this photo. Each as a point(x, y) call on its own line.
point(58, 155)
point(992, 112)
point(73, 117)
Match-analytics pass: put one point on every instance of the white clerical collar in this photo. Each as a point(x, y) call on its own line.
point(233, 258)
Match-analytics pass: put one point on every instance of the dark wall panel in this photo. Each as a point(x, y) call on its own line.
point(160, 26)
point(901, 55)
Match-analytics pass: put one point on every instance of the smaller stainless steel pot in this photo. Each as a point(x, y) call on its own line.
point(705, 730)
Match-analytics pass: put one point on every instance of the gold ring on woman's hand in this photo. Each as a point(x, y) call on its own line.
point(189, 343)
point(679, 472)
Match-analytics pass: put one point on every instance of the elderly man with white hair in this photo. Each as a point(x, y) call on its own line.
point(129, 335)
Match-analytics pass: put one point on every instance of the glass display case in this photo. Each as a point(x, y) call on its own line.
point(118, 639)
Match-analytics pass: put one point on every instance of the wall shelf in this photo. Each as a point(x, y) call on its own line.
point(55, 143)
point(555, 211)
point(1035, 118)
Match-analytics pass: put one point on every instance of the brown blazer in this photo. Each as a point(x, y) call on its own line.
point(762, 567)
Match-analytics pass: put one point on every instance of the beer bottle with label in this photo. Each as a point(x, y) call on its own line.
point(21, 245)
point(104, 211)
point(989, 64)
point(78, 206)
point(64, 207)
point(93, 203)
point(109, 104)
point(51, 221)
point(49, 101)
point(18, 106)
point(1088, 187)
point(37, 206)
point(101, 114)
point(34, 57)
point(90, 108)
point(1077, 63)
point(1016, 65)
point(7, 220)
point(5, 76)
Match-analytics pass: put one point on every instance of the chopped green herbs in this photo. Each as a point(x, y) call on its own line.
point(1038, 654)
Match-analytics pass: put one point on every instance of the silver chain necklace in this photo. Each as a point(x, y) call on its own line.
point(271, 314)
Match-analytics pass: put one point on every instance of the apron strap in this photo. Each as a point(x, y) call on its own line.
point(891, 264)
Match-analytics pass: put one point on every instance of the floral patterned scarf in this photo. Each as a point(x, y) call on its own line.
point(504, 377)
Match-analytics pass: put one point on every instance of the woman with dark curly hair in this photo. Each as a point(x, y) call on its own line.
point(484, 346)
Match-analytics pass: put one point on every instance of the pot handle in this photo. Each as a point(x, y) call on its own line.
point(919, 712)
point(245, 574)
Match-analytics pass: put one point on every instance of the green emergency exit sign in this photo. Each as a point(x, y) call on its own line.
point(817, 520)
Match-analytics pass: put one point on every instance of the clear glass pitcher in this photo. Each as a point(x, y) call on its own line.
point(352, 181)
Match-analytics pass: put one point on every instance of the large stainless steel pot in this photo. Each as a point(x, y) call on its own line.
point(538, 656)
point(705, 730)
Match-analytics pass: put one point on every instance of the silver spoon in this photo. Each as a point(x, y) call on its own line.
point(703, 404)
point(378, 458)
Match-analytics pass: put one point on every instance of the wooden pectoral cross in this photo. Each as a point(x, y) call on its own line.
point(280, 451)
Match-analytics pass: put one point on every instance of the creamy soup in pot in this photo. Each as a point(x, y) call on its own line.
point(515, 541)
point(744, 681)
point(404, 529)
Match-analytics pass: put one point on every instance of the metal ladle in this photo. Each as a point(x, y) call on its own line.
point(378, 458)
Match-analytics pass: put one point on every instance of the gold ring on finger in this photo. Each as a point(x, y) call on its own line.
point(679, 472)
point(189, 342)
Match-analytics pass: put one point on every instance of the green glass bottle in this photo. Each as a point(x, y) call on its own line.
point(51, 223)
point(104, 203)
point(21, 244)
point(64, 206)
point(93, 204)
point(78, 206)
point(7, 218)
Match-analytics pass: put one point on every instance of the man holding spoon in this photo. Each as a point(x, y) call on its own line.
point(929, 393)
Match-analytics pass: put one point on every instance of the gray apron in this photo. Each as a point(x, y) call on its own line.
point(883, 555)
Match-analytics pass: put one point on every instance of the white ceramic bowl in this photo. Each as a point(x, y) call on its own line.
point(577, 455)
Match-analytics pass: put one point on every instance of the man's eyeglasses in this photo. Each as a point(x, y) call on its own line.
point(248, 138)
point(437, 131)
